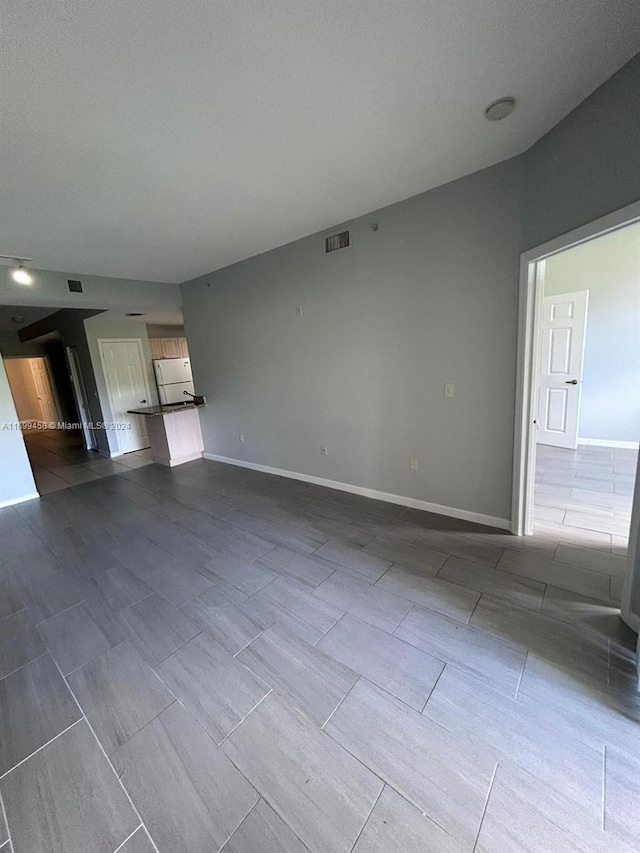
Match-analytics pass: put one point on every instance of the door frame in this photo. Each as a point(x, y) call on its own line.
point(531, 292)
point(52, 384)
point(80, 396)
point(105, 373)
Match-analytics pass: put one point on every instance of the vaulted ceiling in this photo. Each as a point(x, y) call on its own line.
point(159, 140)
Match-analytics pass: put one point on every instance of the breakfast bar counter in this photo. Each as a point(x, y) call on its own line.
point(174, 432)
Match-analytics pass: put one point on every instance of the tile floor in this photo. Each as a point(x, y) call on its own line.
point(59, 460)
point(212, 659)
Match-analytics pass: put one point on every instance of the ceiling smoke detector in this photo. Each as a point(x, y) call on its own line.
point(500, 109)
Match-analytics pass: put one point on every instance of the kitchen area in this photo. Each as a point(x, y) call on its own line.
point(173, 426)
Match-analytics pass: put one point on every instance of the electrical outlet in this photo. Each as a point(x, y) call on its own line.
point(413, 464)
point(299, 310)
point(324, 450)
point(241, 437)
point(449, 390)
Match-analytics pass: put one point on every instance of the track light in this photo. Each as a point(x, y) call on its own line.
point(22, 275)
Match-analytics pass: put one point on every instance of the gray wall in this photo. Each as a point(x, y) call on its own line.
point(609, 268)
point(588, 164)
point(11, 345)
point(428, 299)
point(155, 331)
point(16, 477)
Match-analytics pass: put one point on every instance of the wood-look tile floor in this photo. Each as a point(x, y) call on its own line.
point(212, 659)
point(59, 460)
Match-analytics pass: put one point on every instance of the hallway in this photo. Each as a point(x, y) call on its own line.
point(59, 460)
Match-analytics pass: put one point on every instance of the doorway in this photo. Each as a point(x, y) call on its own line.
point(80, 397)
point(33, 390)
point(578, 394)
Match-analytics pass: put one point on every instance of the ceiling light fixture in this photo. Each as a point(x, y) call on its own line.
point(500, 109)
point(20, 274)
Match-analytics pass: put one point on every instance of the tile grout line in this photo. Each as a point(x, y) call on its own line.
point(604, 787)
point(475, 607)
point(120, 846)
point(314, 644)
point(102, 749)
point(233, 832)
point(393, 633)
point(524, 663)
point(435, 684)
point(9, 840)
point(66, 610)
point(340, 702)
point(486, 805)
point(13, 671)
point(246, 645)
point(366, 821)
point(9, 615)
point(40, 748)
point(266, 695)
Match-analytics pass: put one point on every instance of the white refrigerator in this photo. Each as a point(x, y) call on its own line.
point(173, 377)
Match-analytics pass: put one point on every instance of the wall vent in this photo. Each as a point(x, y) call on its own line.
point(75, 286)
point(336, 241)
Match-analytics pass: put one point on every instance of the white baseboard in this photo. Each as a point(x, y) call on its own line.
point(414, 503)
point(603, 442)
point(13, 501)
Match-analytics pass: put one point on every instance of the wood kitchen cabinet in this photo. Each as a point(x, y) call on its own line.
point(168, 348)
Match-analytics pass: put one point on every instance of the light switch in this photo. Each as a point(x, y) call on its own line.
point(449, 390)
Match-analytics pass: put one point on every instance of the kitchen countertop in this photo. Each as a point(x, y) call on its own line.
point(156, 411)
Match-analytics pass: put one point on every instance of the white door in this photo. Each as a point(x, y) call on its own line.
point(126, 380)
point(44, 390)
point(564, 326)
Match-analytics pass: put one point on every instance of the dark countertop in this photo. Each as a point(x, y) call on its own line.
point(156, 411)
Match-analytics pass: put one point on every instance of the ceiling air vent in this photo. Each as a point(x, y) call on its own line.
point(336, 241)
point(75, 286)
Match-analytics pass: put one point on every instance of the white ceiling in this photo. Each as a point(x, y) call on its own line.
point(159, 139)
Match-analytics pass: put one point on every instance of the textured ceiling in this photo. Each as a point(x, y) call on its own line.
point(159, 140)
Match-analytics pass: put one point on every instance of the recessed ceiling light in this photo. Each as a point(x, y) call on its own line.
point(500, 109)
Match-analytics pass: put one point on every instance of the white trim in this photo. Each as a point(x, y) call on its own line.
point(603, 442)
point(13, 501)
point(529, 307)
point(108, 454)
point(414, 503)
point(177, 460)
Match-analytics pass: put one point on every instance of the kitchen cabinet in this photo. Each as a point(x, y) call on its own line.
point(168, 348)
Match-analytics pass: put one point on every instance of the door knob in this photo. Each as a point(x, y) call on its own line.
point(143, 401)
point(571, 382)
